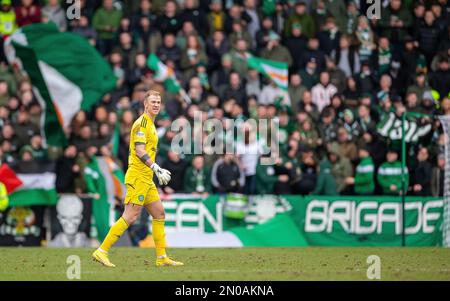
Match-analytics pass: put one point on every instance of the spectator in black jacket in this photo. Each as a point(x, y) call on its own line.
point(169, 22)
point(422, 174)
point(262, 36)
point(314, 51)
point(177, 167)
point(191, 13)
point(220, 77)
point(440, 79)
point(169, 51)
point(308, 169)
point(236, 14)
point(127, 50)
point(377, 148)
point(366, 78)
point(227, 176)
point(83, 139)
point(216, 46)
point(327, 127)
point(139, 71)
point(149, 38)
point(67, 170)
point(235, 90)
point(145, 11)
point(409, 60)
point(428, 35)
point(296, 44)
point(329, 37)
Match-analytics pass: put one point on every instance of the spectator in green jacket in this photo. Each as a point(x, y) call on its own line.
point(364, 180)
point(197, 177)
point(239, 55)
point(266, 178)
point(106, 21)
point(390, 174)
point(326, 183)
point(300, 16)
point(341, 168)
point(334, 8)
point(275, 51)
point(395, 21)
point(39, 151)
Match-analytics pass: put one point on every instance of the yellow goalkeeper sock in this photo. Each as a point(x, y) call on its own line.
point(159, 237)
point(114, 233)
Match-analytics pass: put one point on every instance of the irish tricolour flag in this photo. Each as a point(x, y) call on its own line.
point(163, 73)
point(104, 178)
point(276, 71)
point(29, 183)
point(66, 72)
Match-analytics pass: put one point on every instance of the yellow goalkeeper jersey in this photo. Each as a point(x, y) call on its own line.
point(142, 132)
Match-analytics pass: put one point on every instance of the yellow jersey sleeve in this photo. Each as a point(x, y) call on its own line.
point(139, 135)
point(143, 132)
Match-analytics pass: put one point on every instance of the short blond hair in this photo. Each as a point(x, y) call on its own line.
point(151, 93)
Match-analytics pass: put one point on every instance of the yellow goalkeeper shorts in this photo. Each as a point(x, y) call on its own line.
point(141, 193)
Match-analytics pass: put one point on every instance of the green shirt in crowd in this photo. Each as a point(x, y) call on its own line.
point(390, 173)
point(197, 180)
point(106, 22)
point(326, 183)
point(265, 179)
point(364, 178)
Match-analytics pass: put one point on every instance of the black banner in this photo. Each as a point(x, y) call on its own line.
point(22, 226)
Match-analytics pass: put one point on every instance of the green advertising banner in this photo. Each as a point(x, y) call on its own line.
point(292, 221)
point(305, 221)
point(185, 212)
point(369, 221)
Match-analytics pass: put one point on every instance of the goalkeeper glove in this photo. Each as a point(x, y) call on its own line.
point(162, 174)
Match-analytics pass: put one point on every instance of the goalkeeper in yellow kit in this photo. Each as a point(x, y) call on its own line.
point(141, 191)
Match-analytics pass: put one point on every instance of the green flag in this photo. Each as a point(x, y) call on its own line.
point(163, 74)
point(104, 178)
point(67, 74)
point(276, 71)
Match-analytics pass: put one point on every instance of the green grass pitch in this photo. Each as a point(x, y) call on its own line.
point(231, 264)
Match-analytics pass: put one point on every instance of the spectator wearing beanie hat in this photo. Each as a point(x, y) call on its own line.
point(302, 17)
point(389, 174)
point(364, 179)
point(422, 173)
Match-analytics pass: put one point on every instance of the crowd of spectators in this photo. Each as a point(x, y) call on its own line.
point(347, 75)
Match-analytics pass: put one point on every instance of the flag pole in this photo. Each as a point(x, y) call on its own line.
point(403, 191)
point(186, 97)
